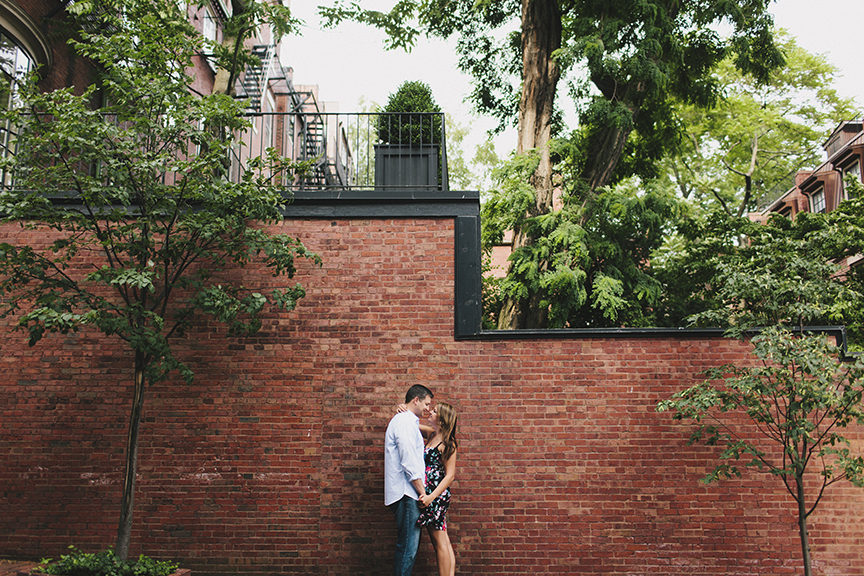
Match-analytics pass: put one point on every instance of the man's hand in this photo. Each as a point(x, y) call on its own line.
point(420, 489)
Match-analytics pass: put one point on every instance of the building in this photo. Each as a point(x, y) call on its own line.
point(271, 461)
point(822, 189)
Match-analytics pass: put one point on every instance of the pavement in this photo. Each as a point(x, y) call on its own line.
point(12, 567)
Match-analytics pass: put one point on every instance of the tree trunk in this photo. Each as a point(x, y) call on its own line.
point(224, 81)
point(541, 36)
point(606, 154)
point(124, 531)
point(802, 524)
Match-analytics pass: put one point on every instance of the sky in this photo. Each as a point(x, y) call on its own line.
point(350, 62)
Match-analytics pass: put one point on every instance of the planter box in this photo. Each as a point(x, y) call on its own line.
point(407, 166)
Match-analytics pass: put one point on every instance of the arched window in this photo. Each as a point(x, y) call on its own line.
point(23, 46)
point(15, 63)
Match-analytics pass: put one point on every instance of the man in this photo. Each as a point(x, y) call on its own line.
point(405, 474)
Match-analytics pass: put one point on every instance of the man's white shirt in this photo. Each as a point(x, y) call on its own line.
point(403, 457)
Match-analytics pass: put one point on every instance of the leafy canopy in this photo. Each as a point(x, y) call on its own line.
point(781, 275)
point(799, 394)
point(758, 135)
point(588, 272)
point(142, 216)
point(140, 185)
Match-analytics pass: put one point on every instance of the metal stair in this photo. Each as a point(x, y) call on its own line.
point(313, 132)
point(315, 147)
point(255, 80)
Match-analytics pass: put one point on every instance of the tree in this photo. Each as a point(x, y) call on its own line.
point(782, 273)
point(844, 243)
point(685, 264)
point(460, 171)
point(759, 134)
point(232, 56)
point(633, 58)
point(799, 395)
point(743, 151)
point(119, 184)
point(584, 274)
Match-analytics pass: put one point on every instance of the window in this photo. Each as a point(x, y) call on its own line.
point(15, 63)
point(210, 32)
point(853, 170)
point(817, 201)
point(269, 107)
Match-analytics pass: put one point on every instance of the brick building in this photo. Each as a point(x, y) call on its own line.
point(822, 189)
point(271, 462)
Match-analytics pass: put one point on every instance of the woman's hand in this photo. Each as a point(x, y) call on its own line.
point(401, 408)
point(425, 500)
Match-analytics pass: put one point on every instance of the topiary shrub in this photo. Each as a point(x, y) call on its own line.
point(104, 563)
point(411, 116)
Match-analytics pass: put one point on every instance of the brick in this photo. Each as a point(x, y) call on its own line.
point(271, 461)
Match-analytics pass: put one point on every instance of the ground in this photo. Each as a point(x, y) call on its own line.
point(11, 567)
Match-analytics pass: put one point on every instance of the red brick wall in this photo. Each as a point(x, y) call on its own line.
point(271, 462)
point(67, 68)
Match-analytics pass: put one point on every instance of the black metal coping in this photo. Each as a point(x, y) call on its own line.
point(464, 208)
point(383, 203)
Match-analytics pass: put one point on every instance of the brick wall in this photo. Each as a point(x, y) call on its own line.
point(271, 462)
point(67, 69)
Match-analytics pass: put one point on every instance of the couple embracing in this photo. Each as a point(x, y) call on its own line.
point(419, 466)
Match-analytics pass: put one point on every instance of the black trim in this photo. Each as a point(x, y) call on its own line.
point(468, 282)
point(838, 332)
point(382, 204)
point(464, 207)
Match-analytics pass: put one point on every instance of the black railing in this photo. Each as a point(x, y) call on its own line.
point(354, 151)
point(345, 151)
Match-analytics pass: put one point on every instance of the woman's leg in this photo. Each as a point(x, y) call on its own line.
point(443, 551)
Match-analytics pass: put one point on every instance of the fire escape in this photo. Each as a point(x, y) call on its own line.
point(255, 80)
point(313, 142)
point(311, 128)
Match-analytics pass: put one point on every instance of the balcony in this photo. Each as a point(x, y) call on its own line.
point(353, 151)
point(346, 151)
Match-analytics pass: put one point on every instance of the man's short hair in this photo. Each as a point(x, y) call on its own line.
point(417, 391)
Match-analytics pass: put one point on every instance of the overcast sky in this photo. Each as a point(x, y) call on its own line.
point(350, 62)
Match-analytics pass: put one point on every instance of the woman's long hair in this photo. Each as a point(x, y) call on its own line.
point(447, 423)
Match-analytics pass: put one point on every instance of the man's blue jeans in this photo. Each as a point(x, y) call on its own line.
point(407, 512)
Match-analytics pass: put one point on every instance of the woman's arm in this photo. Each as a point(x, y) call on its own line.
point(426, 430)
point(449, 476)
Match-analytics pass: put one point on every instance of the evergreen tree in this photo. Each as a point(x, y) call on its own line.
point(631, 60)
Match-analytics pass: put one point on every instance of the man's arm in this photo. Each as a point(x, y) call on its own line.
point(418, 486)
point(412, 462)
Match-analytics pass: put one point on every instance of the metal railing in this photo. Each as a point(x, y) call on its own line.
point(345, 151)
point(353, 150)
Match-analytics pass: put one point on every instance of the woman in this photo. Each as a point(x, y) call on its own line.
point(440, 457)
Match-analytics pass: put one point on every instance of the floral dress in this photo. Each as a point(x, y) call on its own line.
point(435, 514)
